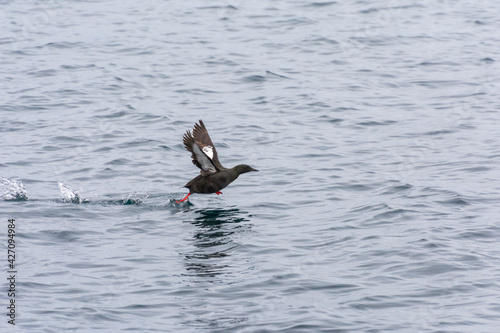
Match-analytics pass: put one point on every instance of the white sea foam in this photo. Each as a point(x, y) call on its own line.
point(68, 194)
point(12, 190)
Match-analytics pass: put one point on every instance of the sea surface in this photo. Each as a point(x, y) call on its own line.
point(375, 126)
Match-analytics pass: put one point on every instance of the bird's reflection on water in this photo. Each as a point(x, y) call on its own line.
point(213, 240)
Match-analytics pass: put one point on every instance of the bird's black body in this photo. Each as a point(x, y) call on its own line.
point(213, 176)
point(215, 182)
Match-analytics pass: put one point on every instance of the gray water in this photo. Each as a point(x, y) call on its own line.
point(374, 125)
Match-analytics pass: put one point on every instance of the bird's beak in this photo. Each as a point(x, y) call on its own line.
point(254, 169)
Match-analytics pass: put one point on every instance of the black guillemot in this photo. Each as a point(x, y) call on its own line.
point(213, 176)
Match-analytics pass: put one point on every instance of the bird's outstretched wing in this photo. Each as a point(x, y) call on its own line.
point(202, 149)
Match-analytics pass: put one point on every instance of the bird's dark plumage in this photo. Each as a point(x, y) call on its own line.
point(213, 176)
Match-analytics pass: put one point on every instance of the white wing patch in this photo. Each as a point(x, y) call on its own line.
point(205, 162)
point(209, 151)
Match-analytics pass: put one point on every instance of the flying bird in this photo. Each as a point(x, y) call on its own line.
point(213, 176)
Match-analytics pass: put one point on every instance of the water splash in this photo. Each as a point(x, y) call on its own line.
point(11, 190)
point(68, 194)
point(130, 200)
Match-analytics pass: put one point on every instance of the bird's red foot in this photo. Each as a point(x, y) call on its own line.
point(185, 198)
point(218, 192)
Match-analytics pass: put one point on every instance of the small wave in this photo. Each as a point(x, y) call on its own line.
point(487, 60)
point(276, 75)
point(254, 78)
point(321, 4)
point(11, 190)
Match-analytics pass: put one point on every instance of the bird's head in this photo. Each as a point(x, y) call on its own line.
point(243, 168)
